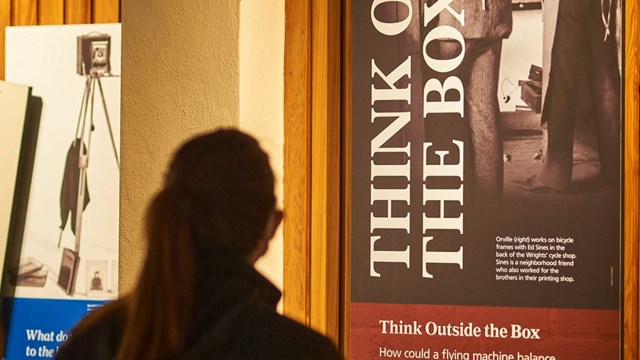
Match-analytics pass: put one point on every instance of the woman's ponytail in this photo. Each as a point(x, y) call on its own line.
point(160, 313)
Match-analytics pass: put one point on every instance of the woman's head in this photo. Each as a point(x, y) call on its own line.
point(218, 198)
point(223, 183)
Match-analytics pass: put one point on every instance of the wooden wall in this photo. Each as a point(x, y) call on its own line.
point(53, 12)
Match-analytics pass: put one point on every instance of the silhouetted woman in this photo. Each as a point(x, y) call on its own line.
point(198, 295)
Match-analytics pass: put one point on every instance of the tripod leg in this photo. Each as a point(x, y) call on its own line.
point(83, 104)
point(91, 123)
point(106, 115)
point(80, 205)
point(82, 167)
point(60, 238)
point(89, 93)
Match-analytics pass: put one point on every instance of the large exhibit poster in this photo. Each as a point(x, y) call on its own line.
point(64, 263)
point(486, 180)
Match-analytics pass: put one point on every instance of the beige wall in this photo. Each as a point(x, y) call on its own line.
point(180, 76)
point(262, 98)
point(188, 67)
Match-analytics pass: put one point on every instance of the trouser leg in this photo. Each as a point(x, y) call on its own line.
point(604, 86)
point(482, 113)
point(479, 74)
point(567, 58)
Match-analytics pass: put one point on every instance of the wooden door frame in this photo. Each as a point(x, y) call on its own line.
point(312, 164)
point(631, 277)
point(316, 168)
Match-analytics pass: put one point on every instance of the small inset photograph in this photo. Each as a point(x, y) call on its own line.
point(97, 276)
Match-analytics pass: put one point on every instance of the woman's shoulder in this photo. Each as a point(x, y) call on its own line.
point(289, 339)
point(98, 335)
point(254, 331)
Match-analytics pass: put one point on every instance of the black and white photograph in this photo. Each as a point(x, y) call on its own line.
point(72, 206)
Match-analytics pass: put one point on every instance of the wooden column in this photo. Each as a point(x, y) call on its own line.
point(325, 166)
point(312, 164)
point(297, 160)
point(631, 195)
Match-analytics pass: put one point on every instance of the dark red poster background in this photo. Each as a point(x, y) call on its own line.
point(568, 334)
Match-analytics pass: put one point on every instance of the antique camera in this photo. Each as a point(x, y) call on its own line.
point(94, 54)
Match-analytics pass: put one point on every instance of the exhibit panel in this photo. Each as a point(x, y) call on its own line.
point(66, 259)
point(14, 101)
point(478, 233)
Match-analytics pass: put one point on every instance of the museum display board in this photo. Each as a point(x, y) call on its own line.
point(476, 233)
point(14, 102)
point(64, 261)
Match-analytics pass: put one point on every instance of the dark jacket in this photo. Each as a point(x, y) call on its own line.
point(234, 318)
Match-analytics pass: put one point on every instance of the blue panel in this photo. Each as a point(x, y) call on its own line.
point(34, 328)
